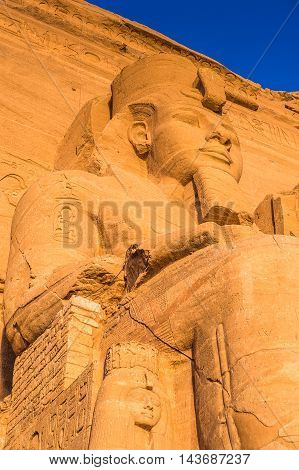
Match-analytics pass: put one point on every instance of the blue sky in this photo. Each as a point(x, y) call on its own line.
point(234, 32)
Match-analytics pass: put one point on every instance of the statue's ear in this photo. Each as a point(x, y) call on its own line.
point(79, 148)
point(140, 137)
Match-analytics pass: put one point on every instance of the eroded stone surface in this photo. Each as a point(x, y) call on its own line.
point(54, 382)
point(151, 290)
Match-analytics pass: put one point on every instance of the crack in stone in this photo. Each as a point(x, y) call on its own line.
point(262, 350)
point(25, 259)
point(158, 338)
point(213, 381)
point(250, 413)
point(273, 236)
point(209, 379)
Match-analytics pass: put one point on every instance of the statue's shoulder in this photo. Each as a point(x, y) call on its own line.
point(66, 184)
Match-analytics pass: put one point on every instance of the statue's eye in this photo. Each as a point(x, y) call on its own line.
point(188, 118)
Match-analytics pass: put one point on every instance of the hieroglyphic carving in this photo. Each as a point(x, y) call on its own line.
point(59, 44)
point(133, 40)
point(273, 133)
point(65, 423)
point(131, 355)
point(16, 174)
point(38, 377)
point(30, 168)
point(12, 186)
point(4, 418)
point(51, 364)
point(66, 213)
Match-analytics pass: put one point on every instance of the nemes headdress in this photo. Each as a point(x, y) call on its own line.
point(159, 72)
point(148, 75)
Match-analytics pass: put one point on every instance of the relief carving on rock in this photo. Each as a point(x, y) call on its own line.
point(134, 41)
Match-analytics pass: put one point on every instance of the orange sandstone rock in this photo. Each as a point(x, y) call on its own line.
point(148, 270)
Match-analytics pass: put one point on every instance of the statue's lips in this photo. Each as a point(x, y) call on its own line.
point(217, 151)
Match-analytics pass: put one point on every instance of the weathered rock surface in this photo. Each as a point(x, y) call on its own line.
point(149, 241)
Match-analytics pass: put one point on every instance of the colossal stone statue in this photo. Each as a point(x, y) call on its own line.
point(159, 143)
point(146, 183)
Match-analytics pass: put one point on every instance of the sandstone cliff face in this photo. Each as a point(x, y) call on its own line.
point(57, 57)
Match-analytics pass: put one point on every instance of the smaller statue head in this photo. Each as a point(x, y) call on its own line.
point(129, 404)
point(145, 407)
point(139, 362)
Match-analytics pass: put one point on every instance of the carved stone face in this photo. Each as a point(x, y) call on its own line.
point(145, 407)
point(182, 136)
point(187, 137)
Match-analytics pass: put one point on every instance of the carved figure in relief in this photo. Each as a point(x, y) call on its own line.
point(12, 186)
